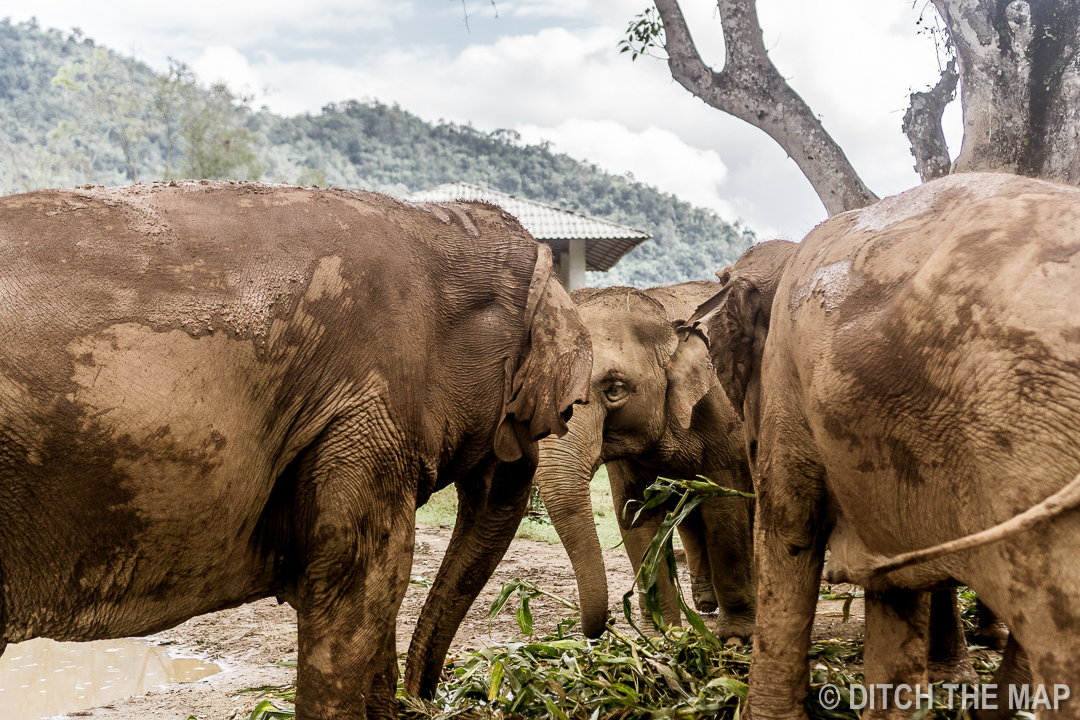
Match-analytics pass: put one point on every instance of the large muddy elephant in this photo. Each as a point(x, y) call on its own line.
point(655, 409)
point(947, 655)
point(214, 393)
point(910, 381)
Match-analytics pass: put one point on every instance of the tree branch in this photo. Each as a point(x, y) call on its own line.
point(922, 125)
point(991, 40)
point(751, 89)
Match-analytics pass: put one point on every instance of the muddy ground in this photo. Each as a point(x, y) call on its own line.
point(249, 641)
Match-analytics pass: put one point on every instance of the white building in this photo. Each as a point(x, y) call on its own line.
point(578, 242)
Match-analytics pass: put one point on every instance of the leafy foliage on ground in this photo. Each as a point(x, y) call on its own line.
point(72, 112)
point(676, 673)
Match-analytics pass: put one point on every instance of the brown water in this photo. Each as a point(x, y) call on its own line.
point(41, 678)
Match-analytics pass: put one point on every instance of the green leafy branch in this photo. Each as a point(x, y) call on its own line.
point(645, 32)
point(660, 555)
point(526, 591)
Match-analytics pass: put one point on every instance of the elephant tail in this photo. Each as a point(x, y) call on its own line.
point(1065, 499)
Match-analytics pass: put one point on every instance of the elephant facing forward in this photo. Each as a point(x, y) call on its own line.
point(909, 377)
point(655, 409)
point(214, 393)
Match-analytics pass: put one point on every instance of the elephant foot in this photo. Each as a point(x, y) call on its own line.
point(749, 712)
point(733, 631)
point(994, 635)
point(701, 588)
point(959, 671)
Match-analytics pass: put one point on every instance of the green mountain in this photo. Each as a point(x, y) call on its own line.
point(71, 113)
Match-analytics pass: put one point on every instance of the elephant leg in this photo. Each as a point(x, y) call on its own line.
point(1043, 650)
point(991, 632)
point(1014, 671)
point(491, 503)
point(789, 552)
point(355, 528)
point(895, 649)
point(788, 581)
point(628, 482)
point(693, 536)
point(948, 654)
point(731, 557)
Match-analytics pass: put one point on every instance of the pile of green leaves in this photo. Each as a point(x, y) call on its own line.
point(678, 673)
point(562, 675)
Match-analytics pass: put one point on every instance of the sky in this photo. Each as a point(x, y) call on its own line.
point(551, 70)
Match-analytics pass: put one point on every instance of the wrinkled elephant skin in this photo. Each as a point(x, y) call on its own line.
point(912, 377)
point(213, 393)
point(655, 409)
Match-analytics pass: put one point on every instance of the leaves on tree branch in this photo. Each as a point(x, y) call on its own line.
point(644, 34)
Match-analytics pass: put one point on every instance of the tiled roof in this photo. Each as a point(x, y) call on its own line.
point(605, 242)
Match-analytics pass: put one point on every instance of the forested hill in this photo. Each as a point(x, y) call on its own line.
point(71, 112)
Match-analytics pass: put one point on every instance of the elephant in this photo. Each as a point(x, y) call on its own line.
point(947, 657)
point(655, 409)
point(909, 379)
point(212, 393)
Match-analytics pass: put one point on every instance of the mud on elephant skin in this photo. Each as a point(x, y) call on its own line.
point(212, 393)
point(655, 409)
point(743, 325)
point(913, 382)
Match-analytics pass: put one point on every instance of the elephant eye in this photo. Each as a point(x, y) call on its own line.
point(616, 391)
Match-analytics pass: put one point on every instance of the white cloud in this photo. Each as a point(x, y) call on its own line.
point(543, 79)
point(601, 10)
point(855, 63)
point(156, 30)
point(225, 63)
point(654, 156)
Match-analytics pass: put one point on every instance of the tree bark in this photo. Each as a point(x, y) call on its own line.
point(1020, 85)
point(1056, 60)
point(922, 125)
point(750, 88)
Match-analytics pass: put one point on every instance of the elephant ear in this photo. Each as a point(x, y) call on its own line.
point(553, 372)
point(736, 322)
point(690, 377)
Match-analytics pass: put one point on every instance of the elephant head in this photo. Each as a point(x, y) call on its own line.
point(644, 386)
point(736, 322)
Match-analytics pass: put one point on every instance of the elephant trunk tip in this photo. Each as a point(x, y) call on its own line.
point(593, 626)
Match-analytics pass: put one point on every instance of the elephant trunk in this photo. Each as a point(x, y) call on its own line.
point(566, 466)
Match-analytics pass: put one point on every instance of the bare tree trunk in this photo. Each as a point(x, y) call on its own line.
point(751, 89)
point(922, 125)
point(1020, 85)
point(1057, 62)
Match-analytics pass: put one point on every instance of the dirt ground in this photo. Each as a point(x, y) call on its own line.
point(249, 641)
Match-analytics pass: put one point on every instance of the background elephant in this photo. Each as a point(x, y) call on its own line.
point(655, 409)
point(214, 393)
point(912, 376)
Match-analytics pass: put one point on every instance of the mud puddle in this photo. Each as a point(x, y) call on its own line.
point(42, 678)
